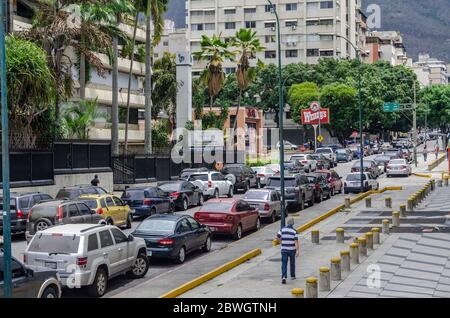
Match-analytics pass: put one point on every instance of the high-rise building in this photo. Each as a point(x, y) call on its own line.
point(431, 71)
point(385, 46)
point(308, 27)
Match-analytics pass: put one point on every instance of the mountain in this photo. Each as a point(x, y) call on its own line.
point(425, 24)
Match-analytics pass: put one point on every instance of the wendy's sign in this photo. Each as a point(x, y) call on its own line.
point(322, 117)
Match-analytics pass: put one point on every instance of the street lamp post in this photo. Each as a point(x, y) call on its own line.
point(281, 113)
point(358, 56)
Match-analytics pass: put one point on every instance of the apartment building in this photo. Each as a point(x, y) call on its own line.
point(385, 46)
point(431, 71)
point(307, 27)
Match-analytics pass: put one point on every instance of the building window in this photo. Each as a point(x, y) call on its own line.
point(196, 13)
point(197, 27)
point(166, 43)
point(229, 11)
point(268, 8)
point(230, 70)
point(291, 53)
point(312, 22)
point(250, 24)
point(269, 25)
point(270, 54)
point(326, 5)
point(326, 22)
point(270, 38)
point(210, 13)
point(291, 24)
point(230, 25)
point(291, 7)
point(326, 38)
point(312, 52)
point(249, 10)
point(210, 26)
point(327, 53)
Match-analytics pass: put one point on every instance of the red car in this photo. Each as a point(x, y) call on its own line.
point(334, 181)
point(229, 216)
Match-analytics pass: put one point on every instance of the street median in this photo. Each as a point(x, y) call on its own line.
point(436, 162)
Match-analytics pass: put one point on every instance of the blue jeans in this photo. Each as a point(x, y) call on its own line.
point(285, 255)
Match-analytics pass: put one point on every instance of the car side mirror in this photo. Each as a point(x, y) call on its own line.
point(93, 212)
point(130, 238)
point(29, 272)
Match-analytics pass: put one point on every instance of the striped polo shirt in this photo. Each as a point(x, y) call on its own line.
point(288, 236)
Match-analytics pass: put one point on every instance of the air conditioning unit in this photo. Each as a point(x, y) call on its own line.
point(273, 28)
point(294, 43)
point(294, 27)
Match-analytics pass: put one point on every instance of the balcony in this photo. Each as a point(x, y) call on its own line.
point(124, 64)
point(104, 96)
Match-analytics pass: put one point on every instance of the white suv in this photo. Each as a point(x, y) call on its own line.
point(328, 153)
point(88, 255)
point(212, 183)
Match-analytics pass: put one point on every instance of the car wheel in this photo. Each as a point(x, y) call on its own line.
point(216, 194)
point(207, 247)
point(238, 234)
point(181, 257)
point(140, 266)
point(129, 221)
point(98, 288)
point(50, 292)
point(230, 192)
point(152, 211)
point(258, 224)
point(185, 204)
point(42, 225)
point(201, 200)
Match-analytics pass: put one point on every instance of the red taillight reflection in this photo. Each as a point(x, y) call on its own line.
point(165, 242)
point(209, 184)
point(29, 214)
point(60, 213)
point(148, 202)
point(266, 207)
point(20, 214)
point(175, 194)
point(81, 261)
point(100, 211)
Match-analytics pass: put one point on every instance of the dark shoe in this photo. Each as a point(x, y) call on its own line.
point(283, 281)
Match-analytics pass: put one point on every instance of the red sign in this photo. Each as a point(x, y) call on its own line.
point(312, 118)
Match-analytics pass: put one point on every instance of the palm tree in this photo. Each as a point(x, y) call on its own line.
point(79, 117)
point(247, 45)
point(215, 51)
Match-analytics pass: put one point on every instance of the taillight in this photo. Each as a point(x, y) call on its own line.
point(82, 261)
point(60, 213)
point(305, 161)
point(165, 242)
point(403, 167)
point(209, 184)
point(148, 202)
point(29, 214)
point(266, 207)
point(100, 211)
point(19, 214)
point(175, 194)
point(317, 186)
point(261, 175)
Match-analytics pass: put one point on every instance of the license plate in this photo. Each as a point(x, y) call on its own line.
point(51, 265)
point(149, 253)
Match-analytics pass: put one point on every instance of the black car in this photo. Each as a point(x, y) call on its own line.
point(20, 205)
point(146, 201)
point(323, 163)
point(183, 193)
point(321, 186)
point(294, 166)
point(382, 161)
point(58, 212)
point(298, 190)
point(173, 236)
point(74, 192)
point(30, 282)
point(245, 177)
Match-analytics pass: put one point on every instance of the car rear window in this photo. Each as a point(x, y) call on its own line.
point(57, 244)
point(398, 162)
point(232, 170)
point(157, 226)
point(355, 177)
point(66, 194)
point(170, 187)
point(217, 207)
point(257, 195)
point(324, 151)
point(276, 182)
point(92, 204)
point(43, 211)
point(199, 177)
point(133, 195)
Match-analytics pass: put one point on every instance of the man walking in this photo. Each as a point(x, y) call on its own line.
point(289, 249)
point(436, 149)
point(95, 182)
point(425, 153)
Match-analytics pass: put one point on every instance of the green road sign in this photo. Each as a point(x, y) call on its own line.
point(391, 107)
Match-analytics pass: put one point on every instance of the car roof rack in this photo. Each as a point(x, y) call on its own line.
point(93, 227)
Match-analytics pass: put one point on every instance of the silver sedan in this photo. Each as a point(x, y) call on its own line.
point(268, 202)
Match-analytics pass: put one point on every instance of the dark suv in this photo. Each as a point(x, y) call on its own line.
point(20, 205)
point(74, 192)
point(321, 186)
point(298, 190)
point(29, 282)
point(57, 212)
point(245, 177)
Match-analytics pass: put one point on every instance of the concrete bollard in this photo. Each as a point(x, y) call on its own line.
point(388, 202)
point(396, 219)
point(403, 211)
point(324, 279)
point(368, 202)
point(410, 204)
point(369, 240)
point(336, 269)
point(340, 235)
point(385, 226)
point(298, 293)
point(376, 235)
point(362, 246)
point(315, 236)
point(311, 287)
point(439, 183)
point(354, 253)
point(345, 257)
point(347, 203)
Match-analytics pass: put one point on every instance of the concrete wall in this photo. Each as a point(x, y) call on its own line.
point(106, 182)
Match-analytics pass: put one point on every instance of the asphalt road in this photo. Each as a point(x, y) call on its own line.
point(158, 267)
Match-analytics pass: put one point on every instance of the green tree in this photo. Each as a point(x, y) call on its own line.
point(437, 99)
point(31, 91)
point(300, 97)
point(79, 118)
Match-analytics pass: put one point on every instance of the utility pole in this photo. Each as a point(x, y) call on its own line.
point(7, 275)
point(415, 125)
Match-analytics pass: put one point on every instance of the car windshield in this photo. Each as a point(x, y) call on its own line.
point(55, 244)
point(324, 150)
point(198, 177)
point(341, 151)
point(217, 206)
point(276, 182)
point(157, 226)
point(382, 158)
point(256, 195)
point(133, 195)
point(298, 157)
point(398, 162)
point(355, 177)
point(316, 157)
point(170, 187)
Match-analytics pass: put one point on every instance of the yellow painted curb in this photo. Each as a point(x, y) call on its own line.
point(208, 276)
point(422, 175)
